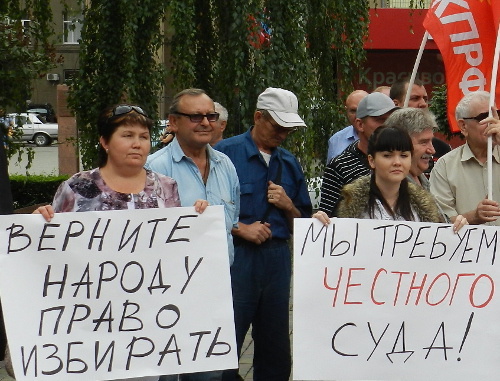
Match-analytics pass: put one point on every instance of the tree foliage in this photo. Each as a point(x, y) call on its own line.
point(439, 108)
point(26, 52)
point(119, 45)
point(234, 50)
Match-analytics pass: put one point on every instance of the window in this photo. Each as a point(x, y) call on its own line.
point(72, 29)
point(69, 74)
point(20, 120)
point(26, 26)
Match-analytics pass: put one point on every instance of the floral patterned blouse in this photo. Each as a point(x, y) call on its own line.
point(87, 191)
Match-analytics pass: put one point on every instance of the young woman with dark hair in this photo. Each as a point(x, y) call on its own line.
point(386, 194)
point(389, 150)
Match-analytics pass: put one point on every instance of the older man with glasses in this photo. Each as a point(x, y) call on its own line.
point(200, 171)
point(459, 178)
point(273, 193)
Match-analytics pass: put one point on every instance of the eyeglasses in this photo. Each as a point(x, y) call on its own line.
point(279, 129)
point(481, 116)
point(125, 109)
point(198, 118)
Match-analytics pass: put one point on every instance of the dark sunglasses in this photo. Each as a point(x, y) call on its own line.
point(125, 109)
point(481, 116)
point(197, 118)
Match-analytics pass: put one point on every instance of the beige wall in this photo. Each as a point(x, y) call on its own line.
point(45, 91)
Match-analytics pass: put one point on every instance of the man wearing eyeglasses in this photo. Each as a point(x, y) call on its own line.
point(200, 171)
point(273, 193)
point(459, 178)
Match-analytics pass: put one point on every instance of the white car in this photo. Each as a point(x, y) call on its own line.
point(34, 128)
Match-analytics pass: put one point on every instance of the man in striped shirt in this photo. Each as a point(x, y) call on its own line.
point(352, 163)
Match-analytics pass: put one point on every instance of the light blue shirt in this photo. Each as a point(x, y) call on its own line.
point(222, 188)
point(339, 142)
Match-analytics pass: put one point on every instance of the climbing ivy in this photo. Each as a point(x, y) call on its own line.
point(235, 49)
point(439, 108)
point(119, 46)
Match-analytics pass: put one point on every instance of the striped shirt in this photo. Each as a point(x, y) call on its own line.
point(351, 164)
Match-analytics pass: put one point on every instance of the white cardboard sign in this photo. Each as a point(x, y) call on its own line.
point(119, 294)
point(386, 300)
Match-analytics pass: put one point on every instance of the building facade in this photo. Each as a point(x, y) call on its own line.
point(67, 27)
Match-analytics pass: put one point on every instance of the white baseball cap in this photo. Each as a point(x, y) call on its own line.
point(282, 105)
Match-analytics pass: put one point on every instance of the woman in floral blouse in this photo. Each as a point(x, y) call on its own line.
point(120, 180)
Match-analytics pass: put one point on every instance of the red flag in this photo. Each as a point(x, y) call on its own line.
point(465, 34)
point(495, 7)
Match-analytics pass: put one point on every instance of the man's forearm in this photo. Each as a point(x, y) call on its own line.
point(290, 214)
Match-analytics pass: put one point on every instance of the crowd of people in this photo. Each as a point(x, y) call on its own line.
point(458, 183)
point(376, 169)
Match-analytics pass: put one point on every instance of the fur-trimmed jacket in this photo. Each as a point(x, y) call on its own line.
point(356, 194)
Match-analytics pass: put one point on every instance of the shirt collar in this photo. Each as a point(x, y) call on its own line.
point(353, 133)
point(251, 148)
point(178, 154)
point(467, 153)
point(496, 153)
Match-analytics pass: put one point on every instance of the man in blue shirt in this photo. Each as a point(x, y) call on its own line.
point(339, 141)
point(200, 171)
point(273, 193)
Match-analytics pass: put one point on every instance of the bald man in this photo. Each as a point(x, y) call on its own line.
point(341, 139)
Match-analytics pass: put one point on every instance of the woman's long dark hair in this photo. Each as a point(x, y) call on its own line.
point(390, 139)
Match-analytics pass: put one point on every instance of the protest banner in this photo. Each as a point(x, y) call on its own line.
point(391, 300)
point(118, 294)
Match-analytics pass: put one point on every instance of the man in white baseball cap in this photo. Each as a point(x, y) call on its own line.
point(352, 163)
point(273, 192)
point(282, 105)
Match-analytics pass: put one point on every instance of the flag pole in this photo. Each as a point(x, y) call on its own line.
point(491, 104)
point(415, 68)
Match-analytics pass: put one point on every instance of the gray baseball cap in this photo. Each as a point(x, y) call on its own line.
point(375, 104)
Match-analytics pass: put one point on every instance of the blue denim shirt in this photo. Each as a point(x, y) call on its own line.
point(222, 186)
point(254, 175)
point(339, 141)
